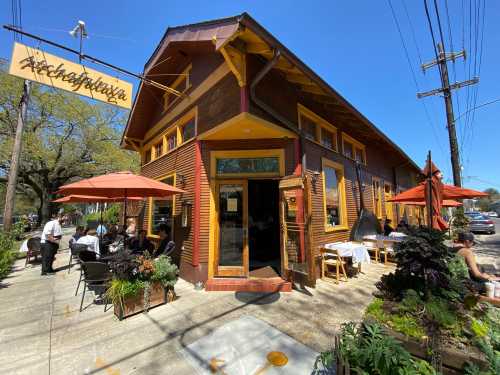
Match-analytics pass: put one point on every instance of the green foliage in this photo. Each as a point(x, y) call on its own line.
point(109, 215)
point(165, 272)
point(7, 248)
point(66, 137)
point(120, 289)
point(479, 328)
point(370, 351)
point(441, 312)
point(422, 265)
point(459, 222)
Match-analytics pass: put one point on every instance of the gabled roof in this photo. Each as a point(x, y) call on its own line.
point(243, 28)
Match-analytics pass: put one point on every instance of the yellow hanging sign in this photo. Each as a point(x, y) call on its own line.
point(42, 67)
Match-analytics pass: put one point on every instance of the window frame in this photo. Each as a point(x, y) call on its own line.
point(167, 101)
point(150, 208)
point(339, 168)
point(320, 123)
point(174, 127)
point(355, 144)
point(377, 206)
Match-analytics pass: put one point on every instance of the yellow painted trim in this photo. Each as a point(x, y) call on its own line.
point(279, 152)
point(343, 201)
point(173, 127)
point(168, 101)
point(187, 101)
point(150, 212)
point(236, 61)
point(355, 143)
point(379, 207)
point(245, 116)
point(211, 236)
point(321, 123)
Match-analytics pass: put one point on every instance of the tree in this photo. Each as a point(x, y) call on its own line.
point(486, 202)
point(66, 137)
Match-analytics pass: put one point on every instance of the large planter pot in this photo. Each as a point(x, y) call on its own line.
point(158, 295)
point(453, 360)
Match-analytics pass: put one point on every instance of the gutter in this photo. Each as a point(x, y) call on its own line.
point(267, 108)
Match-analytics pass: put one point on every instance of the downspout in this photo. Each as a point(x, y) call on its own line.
point(266, 108)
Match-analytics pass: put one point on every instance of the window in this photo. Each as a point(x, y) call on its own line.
point(147, 156)
point(162, 211)
point(248, 165)
point(328, 139)
point(317, 129)
point(353, 149)
point(234, 163)
point(159, 149)
point(309, 128)
point(377, 197)
point(181, 84)
point(335, 208)
point(188, 130)
point(171, 141)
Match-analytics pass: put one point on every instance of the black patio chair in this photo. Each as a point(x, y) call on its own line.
point(96, 277)
point(84, 255)
point(75, 249)
point(34, 249)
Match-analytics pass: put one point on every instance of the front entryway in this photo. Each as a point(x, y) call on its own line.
point(264, 228)
point(248, 235)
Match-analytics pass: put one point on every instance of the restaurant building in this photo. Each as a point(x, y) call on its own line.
point(266, 152)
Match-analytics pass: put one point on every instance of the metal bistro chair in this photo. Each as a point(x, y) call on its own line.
point(84, 255)
point(75, 249)
point(96, 277)
point(34, 247)
point(332, 258)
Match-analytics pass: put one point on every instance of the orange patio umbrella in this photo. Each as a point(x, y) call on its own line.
point(120, 185)
point(91, 199)
point(417, 194)
point(446, 203)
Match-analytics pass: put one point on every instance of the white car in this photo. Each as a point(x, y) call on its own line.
point(492, 214)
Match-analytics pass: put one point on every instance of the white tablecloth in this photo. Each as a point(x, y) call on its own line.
point(358, 252)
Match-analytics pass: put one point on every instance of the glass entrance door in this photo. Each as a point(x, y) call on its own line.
point(232, 234)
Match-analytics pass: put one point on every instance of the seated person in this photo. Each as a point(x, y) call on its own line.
point(79, 232)
point(465, 250)
point(141, 244)
point(387, 227)
point(166, 247)
point(90, 239)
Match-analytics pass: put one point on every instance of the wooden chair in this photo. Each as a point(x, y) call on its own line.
point(372, 247)
point(386, 250)
point(332, 258)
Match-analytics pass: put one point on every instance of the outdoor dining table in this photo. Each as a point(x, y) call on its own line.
point(357, 252)
point(381, 237)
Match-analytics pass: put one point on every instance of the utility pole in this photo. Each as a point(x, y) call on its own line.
point(10, 195)
point(446, 89)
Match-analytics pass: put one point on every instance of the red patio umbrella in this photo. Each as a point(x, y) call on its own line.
point(91, 198)
point(446, 203)
point(417, 194)
point(120, 185)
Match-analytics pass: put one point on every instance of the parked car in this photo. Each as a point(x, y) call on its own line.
point(492, 214)
point(481, 223)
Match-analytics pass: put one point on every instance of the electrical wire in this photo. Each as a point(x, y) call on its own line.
point(431, 124)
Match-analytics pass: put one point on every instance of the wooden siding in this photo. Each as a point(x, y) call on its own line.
point(180, 161)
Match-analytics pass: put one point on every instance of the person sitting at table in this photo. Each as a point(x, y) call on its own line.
point(466, 241)
point(141, 244)
point(79, 232)
point(166, 247)
point(402, 225)
point(387, 227)
point(91, 240)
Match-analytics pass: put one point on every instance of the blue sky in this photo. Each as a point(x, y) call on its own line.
point(353, 45)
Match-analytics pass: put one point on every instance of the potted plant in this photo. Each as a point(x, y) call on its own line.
point(140, 283)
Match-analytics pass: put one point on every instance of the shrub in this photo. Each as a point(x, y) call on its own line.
point(7, 251)
point(369, 351)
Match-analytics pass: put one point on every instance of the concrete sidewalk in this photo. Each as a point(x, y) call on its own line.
point(42, 331)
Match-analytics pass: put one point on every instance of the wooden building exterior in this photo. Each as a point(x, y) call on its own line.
point(251, 116)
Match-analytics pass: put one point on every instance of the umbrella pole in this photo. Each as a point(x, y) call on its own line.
point(125, 208)
point(429, 189)
point(100, 232)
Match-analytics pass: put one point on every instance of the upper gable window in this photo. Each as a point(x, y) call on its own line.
point(181, 84)
point(353, 149)
point(317, 129)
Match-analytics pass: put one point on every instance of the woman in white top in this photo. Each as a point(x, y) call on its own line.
point(91, 240)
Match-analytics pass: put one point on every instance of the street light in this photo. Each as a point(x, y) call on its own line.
point(81, 31)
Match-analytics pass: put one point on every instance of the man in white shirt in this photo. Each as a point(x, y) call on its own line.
point(90, 239)
point(51, 236)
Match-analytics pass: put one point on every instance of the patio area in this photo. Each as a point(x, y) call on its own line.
point(42, 331)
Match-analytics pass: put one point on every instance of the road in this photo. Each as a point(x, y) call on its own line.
point(487, 247)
